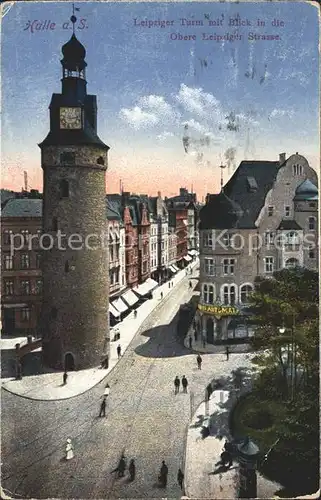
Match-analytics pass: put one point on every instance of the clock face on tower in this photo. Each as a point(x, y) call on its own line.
point(70, 118)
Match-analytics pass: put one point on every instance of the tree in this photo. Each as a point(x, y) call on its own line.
point(287, 302)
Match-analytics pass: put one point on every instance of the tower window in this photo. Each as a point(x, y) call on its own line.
point(100, 160)
point(55, 224)
point(68, 157)
point(66, 266)
point(64, 188)
point(312, 223)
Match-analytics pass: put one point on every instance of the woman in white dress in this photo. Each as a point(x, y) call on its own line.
point(69, 450)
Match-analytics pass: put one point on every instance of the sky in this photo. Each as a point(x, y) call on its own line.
point(234, 100)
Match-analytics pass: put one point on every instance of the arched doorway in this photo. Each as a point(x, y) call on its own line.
point(210, 331)
point(69, 362)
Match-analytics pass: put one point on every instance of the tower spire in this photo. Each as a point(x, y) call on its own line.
point(222, 182)
point(73, 18)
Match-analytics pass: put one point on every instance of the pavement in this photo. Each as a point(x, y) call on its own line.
point(204, 477)
point(49, 386)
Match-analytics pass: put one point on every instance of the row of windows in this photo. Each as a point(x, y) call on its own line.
point(9, 264)
point(228, 295)
point(24, 234)
point(209, 267)
point(227, 238)
point(24, 286)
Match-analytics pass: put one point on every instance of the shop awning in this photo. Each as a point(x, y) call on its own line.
point(130, 298)
point(175, 267)
point(146, 287)
point(187, 258)
point(120, 305)
point(12, 306)
point(172, 268)
point(193, 252)
point(114, 311)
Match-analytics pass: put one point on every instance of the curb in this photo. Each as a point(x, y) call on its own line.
point(107, 374)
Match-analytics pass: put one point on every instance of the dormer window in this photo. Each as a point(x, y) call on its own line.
point(251, 184)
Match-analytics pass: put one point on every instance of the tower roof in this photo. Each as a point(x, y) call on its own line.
point(74, 54)
point(306, 191)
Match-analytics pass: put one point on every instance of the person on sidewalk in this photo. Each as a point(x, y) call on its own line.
point(180, 478)
point(190, 284)
point(195, 334)
point(184, 384)
point(107, 390)
point(227, 350)
point(169, 284)
point(190, 340)
point(199, 361)
point(135, 314)
point(119, 351)
point(204, 342)
point(162, 295)
point(102, 412)
point(163, 474)
point(132, 470)
point(177, 383)
point(69, 450)
point(65, 378)
point(121, 467)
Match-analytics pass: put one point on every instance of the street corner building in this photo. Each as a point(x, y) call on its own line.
point(74, 319)
point(263, 220)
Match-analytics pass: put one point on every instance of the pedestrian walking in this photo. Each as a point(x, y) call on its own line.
point(169, 284)
point(135, 314)
point(163, 474)
point(106, 391)
point(121, 467)
point(195, 335)
point(227, 350)
point(180, 478)
point(102, 412)
point(204, 342)
point(132, 470)
point(69, 450)
point(199, 361)
point(184, 384)
point(177, 383)
point(162, 295)
point(190, 284)
point(119, 351)
point(65, 378)
point(190, 342)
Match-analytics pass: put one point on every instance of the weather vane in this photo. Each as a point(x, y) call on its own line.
point(73, 18)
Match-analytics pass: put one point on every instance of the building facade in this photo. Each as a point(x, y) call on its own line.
point(265, 219)
point(21, 266)
point(74, 318)
point(116, 255)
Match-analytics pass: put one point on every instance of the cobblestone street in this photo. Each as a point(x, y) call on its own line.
point(144, 419)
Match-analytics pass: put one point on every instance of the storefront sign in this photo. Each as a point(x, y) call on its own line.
point(219, 311)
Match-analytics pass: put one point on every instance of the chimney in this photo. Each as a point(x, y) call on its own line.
point(159, 194)
point(282, 158)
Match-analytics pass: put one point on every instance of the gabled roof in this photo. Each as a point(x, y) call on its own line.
point(249, 186)
point(287, 224)
point(22, 207)
point(220, 212)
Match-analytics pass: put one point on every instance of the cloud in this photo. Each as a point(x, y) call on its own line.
point(276, 113)
point(149, 111)
point(164, 135)
point(195, 100)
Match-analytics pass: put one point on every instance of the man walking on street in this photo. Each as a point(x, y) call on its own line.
point(162, 295)
point(190, 284)
point(184, 384)
point(190, 342)
point(199, 361)
point(102, 412)
point(177, 383)
point(180, 478)
point(227, 350)
point(64, 378)
point(119, 351)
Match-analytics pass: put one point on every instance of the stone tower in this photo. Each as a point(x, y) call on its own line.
point(74, 318)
